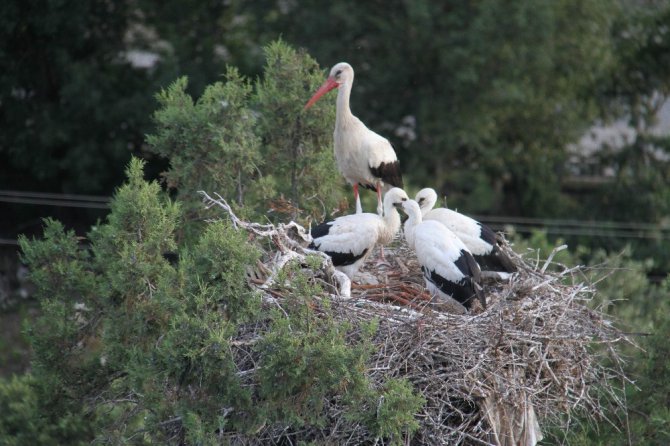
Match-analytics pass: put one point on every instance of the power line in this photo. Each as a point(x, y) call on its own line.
point(586, 231)
point(524, 225)
point(577, 223)
point(51, 199)
point(589, 228)
point(60, 203)
point(56, 196)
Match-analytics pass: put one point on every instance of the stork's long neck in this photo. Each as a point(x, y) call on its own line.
point(343, 113)
point(427, 207)
point(412, 222)
point(391, 224)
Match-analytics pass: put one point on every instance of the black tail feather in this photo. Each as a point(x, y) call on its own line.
point(496, 260)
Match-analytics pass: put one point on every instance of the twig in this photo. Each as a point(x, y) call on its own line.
point(536, 347)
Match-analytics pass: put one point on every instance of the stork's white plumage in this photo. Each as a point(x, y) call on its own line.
point(363, 157)
point(478, 238)
point(349, 240)
point(449, 269)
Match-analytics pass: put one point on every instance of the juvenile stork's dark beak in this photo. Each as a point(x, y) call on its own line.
point(403, 214)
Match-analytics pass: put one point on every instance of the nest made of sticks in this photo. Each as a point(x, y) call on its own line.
point(535, 357)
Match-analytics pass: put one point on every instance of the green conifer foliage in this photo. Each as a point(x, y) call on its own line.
point(22, 423)
point(133, 348)
point(297, 144)
point(308, 360)
point(389, 411)
point(139, 231)
point(102, 309)
point(139, 336)
point(65, 340)
point(66, 355)
point(211, 142)
point(253, 144)
point(219, 262)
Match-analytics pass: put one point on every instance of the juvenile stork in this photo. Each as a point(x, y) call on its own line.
point(363, 157)
point(449, 269)
point(349, 240)
point(478, 238)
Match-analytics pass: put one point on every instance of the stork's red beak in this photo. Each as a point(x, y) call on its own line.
point(323, 89)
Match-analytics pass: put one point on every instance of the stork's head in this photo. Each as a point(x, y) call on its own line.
point(342, 73)
point(411, 208)
point(426, 198)
point(395, 198)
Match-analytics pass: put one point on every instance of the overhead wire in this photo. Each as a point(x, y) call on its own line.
point(52, 199)
point(524, 225)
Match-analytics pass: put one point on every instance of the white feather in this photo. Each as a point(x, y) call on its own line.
point(352, 233)
point(436, 247)
point(357, 148)
point(357, 232)
point(467, 229)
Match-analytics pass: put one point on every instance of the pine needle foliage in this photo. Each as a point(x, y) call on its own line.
point(211, 142)
point(310, 361)
point(135, 346)
point(251, 141)
point(23, 421)
point(297, 144)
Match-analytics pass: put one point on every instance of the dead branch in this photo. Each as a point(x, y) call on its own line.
point(536, 357)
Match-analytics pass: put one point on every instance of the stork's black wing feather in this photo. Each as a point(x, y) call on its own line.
point(345, 258)
point(487, 234)
point(320, 230)
point(389, 173)
point(338, 258)
point(463, 291)
point(496, 260)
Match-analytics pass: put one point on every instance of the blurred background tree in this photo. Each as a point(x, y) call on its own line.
point(481, 98)
point(73, 105)
point(489, 87)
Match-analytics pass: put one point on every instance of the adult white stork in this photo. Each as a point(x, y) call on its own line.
point(449, 269)
point(478, 238)
point(363, 157)
point(349, 239)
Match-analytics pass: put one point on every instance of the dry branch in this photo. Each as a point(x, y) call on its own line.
point(536, 357)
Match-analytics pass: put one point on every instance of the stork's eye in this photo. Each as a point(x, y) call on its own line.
point(404, 199)
point(338, 72)
point(421, 200)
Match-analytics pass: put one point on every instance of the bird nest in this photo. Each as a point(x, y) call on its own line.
point(538, 356)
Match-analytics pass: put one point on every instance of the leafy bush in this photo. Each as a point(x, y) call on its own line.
point(138, 337)
point(252, 141)
point(24, 422)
